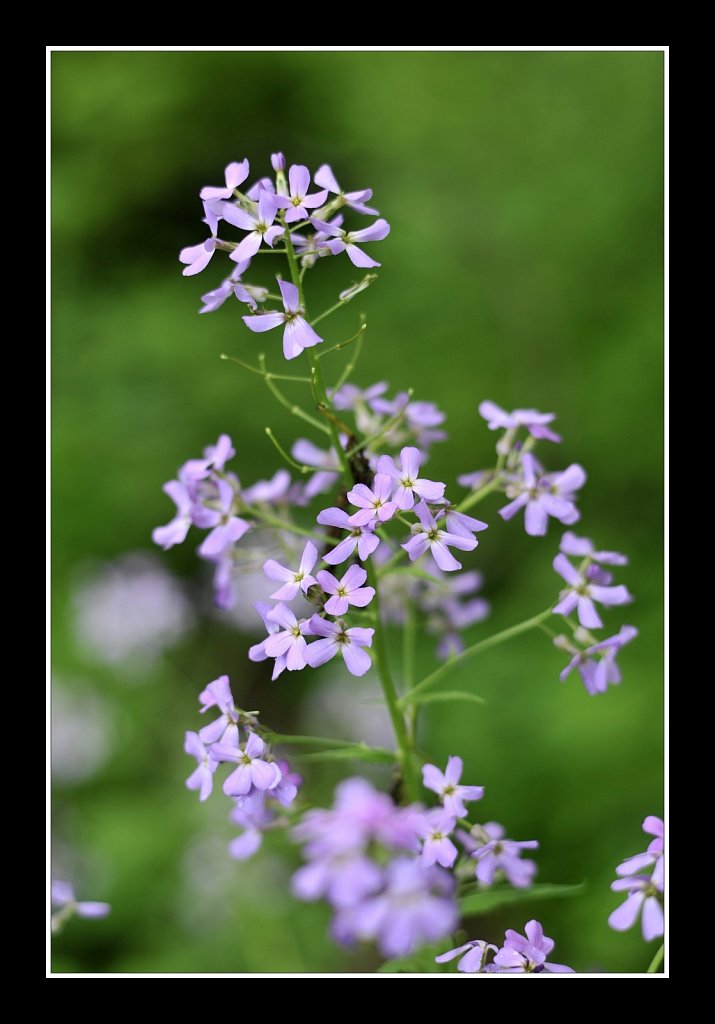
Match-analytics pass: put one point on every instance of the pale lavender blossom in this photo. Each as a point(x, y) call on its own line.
point(476, 952)
point(582, 547)
point(344, 879)
point(428, 535)
point(581, 594)
point(312, 246)
point(438, 824)
point(197, 257)
point(289, 642)
point(493, 853)
point(253, 771)
point(176, 530)
point(269, 492)
point(361, 537)
point(461, 524)
point(351, 397)
point(406, 480)
point(226, 527)
point(373, 504)
point(421, 417)
point(278, 162)
point(651, 826)
point(415, 908)
point(287, 789)
point(542, 496)
point(224, 729)
point(325, 178)
point(534, 421)
point(341, 240)
point(258, 651)
point(257, 221)
point(596, 664)
point(298, 202)
point(337, 639)
point(202, 778)
point(293, 581)
point(347, 591)
point(475, 480)
point(250, 294)
point(645, 897)
point(63, 896)
point(214, 460)
point(526, 954)
point(264, 184)
point(235, 174)
point(326, 462)
point(446, 786)
point(298, 334)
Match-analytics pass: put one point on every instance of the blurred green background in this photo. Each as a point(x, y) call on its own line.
point(524, 265)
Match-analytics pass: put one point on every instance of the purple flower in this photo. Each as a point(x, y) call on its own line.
point(344, 879)
point(287, 789)
point(347, 240)
point(258, 651)
point(289, 642)
point(461, 524)
point(226, 528)
point(248, 293)
point(543, 496)
point(339, 640)
point(175, 531)
point(202, 778)
point(298, 334)
point(446, 786)
point(299, 202)
point(325, 178)
point(269, 491)
point(224, 729)
point(580, 594)
point(326, 462)
point(351, 397)
point(527, 954)
point(415, 908)
point(438, 848)
point(197, 257)
point(406, 479)
point(257, 221)
point(361, 537)
point(373, 504)
point(428, 535)
point(473, 962)
point(645, 895)
point(63, 896)
point(596, 664)
point(494, 853)
point(582, 547)
point(347, 591)
point(235, 173)
point(310, 247)
point(278, 162)
point(534, 421)
point(293, 582)
point(253, 772)
point(215, 458)
point(652, 826)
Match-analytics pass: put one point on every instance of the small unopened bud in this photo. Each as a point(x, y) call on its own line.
point(355, 289)
point(278, 162)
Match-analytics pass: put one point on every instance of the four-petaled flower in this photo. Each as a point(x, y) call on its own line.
point(438, 848)
point(406, 479)
point(349, 590)
point(226, 528)
point(429, 535)
point(325, 178)
point(582, 547)
point(257, 221)
point(645, 895)
point(544, 495)
point(446, 786)
point(252, 771)
point(499, 854)
point(372, 503)
point(288, 642)
point(534, 421)
point(299, 202)
point(596, 664)
point(361, 537)
point(527, 954)
point(298, 333)
point(224, 729)
point(347, 240)
point(581, 593)
point(337, 639)
point(293, 582)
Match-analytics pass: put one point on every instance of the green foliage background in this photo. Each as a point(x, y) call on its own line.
point(525, 265)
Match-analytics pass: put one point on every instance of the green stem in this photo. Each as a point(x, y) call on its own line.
point(656, 961)
point(282, 524)
point(343, 344)
point(409, 633)
point(384, 429)
point(404, 750)
point(288, 458)
point(327, 313)
point(482, 645)
point(294, 409)
point(264, 373)
point(317, 741)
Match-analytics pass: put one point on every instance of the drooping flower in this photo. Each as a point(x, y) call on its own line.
point(347, 591)
point(475, 956)
point(253, 772)
point(581, 594)
point(493, 853)
point(258, 221)
point(542, 496)
point(298, 202)
point(175, 531)
point(534, 421)
point(596, 663)
point(289, 642)
point(336, 639)
point(406, 479)
point(298, 334)
point(373, 503)
point(249, 293)
point(341, 240)
point(446, 786)
point(197, 257)
point(645, 896)
point(361, 537)
point(325, 178)
point(527, 954)
point(428, 535)
point(224, 729)
point(202, 778)
point(293, 582)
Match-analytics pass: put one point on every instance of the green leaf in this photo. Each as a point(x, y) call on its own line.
point(441, 695)
point(491, 899)
point(353, 752)
point(421, 962)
